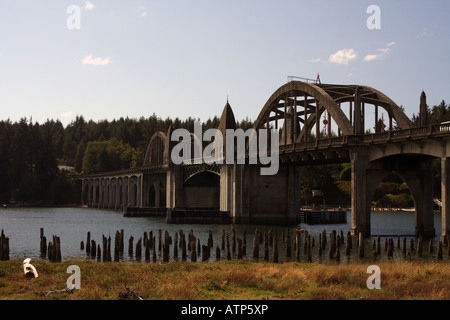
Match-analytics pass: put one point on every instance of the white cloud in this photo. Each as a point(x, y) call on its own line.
point(371, 57)
point(383, 53)
point(88, 6)
point(343, 56)
point(99, 61)
point(66, 114)
point(143, 11)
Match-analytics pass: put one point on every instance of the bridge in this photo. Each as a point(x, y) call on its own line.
point(294, 110)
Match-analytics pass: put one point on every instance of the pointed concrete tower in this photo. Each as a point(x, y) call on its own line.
point(423, 121)
point(227, 121)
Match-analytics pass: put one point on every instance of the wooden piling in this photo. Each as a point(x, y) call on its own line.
point(130, 246)
point(255, 252)
point(99, 253)
point(275, 248)
point(308, 249)
point(361, 245)
point(378, 248)
point(439, 251)
point(239, 248)
point(43, 243)
point(153, 240)
point(228, 253)
point(419, 247)
point(93, 249)
point(348, 244)
point(88, 243)
point(4, 247)
point(139, 249)
point(266, 246)
point(217, 253)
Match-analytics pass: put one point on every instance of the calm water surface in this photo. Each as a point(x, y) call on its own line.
point(22, 226)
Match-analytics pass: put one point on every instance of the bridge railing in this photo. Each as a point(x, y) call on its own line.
point(443, 127)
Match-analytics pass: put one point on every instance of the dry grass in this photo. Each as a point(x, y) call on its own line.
point(238, 280)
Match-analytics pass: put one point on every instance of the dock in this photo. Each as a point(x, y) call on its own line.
point(323, 216)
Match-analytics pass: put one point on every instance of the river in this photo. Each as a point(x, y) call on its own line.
point(22, 226)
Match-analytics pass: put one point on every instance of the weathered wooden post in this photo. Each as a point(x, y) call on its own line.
point(348, 244)
point(153, 249)
point(139, 249)
point(349, 239)
point(266, 247)
point(4, 247)
point(108, 249)
point(99, 253)
point(116, 246)
point(121, 241)
point(308, 249)
point(287, 245)
point(88, 244)
point(244, 242)
point(43, 243)
point(104, 246)
point(411, 245)
point(419, 247)
point(255, 253)
point(223, 239)
point(193, 250)
point(146, 249)
point(183, 248)
point(210, 239)
point(338, 254)
point(275, 248)
point(228, 253)
point(175, 246)
point(439, 251)
point(390, 251)
point(93, 248)
point(361, 245)
point(378, 244)
point(233, 239)
point(130, 246)
point(217, 253)
point(239, 248)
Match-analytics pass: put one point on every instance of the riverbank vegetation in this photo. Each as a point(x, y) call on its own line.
point(231, 280)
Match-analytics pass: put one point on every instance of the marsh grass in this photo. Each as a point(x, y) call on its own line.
point(237, 280)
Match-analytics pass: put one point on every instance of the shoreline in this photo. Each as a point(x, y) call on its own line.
point(228, 280)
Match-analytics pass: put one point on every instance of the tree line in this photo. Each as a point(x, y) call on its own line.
point(30, 153)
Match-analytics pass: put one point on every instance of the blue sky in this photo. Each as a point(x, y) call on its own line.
point(182, 58)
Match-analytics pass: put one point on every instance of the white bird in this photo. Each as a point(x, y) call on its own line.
point(29, 269)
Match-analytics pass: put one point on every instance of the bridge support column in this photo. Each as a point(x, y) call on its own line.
point(174, 193)
point(419, 178)
point(360, 200)
point(234, 192)
point(445, 194)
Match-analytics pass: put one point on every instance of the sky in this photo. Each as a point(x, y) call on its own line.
point(107, 59)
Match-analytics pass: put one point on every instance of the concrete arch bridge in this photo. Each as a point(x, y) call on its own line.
point(317, 124)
